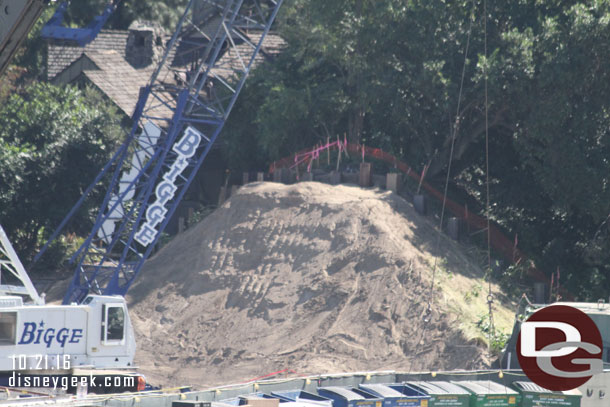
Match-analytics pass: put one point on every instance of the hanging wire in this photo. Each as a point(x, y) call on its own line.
point(490, 295)
point(427, 317)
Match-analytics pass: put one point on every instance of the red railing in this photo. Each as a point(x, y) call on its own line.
point(498, 240)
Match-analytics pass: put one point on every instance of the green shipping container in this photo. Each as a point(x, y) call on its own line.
point(533, 395)
point(443, 394)
point(485, 393)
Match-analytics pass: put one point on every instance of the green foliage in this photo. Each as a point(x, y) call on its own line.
point(474, 292)
point(32, 54)
point(164, 12)
point(200, 215)
point(388, 74)
point(313, 91)
point(560, 142)
point(496, 338)
point(10, 81)
point(385, 74)
point(53, 142)
point(58, 251)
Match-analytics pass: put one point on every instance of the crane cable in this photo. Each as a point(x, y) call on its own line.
point(490, 296)
point(453, 133)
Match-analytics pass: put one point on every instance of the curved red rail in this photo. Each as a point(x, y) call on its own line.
point(502, 244)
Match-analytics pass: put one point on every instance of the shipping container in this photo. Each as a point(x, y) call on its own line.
point(397, 395)
point(485, 393)
point(533, 395)
point(443, 394)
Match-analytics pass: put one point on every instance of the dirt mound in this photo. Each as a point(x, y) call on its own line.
point(310, 277)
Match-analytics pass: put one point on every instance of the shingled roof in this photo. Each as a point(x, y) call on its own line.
point(60, 55)
point(104, 63)
point(233, 59)
point(116, 78)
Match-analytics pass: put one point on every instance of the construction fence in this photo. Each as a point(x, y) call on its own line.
point(503, 245)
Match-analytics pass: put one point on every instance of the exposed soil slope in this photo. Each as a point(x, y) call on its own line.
point(311, 277)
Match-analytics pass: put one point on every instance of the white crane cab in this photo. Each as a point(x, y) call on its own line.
point(96, 333)
point(36, 337)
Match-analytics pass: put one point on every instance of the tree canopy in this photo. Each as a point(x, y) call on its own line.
point(164, 12)
point(388, 74)
point(53, 142)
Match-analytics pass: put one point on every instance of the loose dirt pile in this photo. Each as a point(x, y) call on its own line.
point(309, 277)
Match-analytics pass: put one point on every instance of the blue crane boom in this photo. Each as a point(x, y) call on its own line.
point(17, 17)
point(54, 29)
point(178, 117)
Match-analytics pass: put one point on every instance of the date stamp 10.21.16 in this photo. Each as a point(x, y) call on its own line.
point(40, 362)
